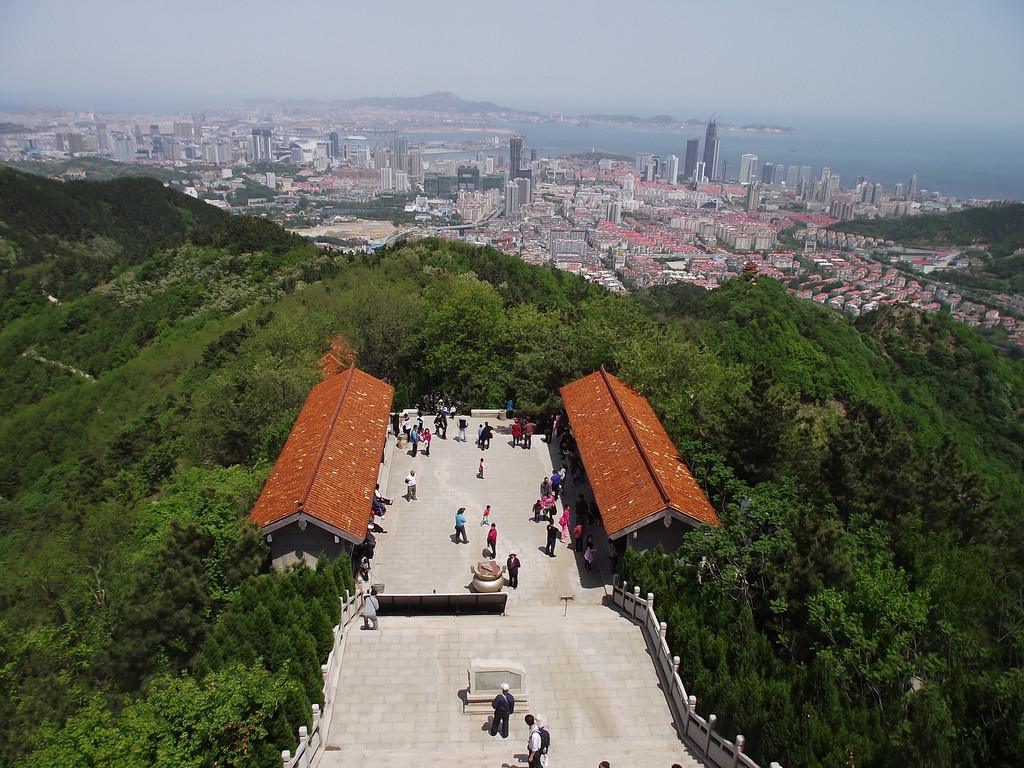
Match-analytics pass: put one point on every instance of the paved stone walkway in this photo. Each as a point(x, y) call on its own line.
point(587, 667)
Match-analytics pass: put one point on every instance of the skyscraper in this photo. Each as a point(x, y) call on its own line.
point(912, 190)
point(671, 169)
point(690, 162)
point(748, 168)
point(711, 149)
point(515, 156)
point(767, 173)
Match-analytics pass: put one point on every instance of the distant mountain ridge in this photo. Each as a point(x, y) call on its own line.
point(446, 102)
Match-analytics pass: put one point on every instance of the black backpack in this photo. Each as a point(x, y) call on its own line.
point(545, 741)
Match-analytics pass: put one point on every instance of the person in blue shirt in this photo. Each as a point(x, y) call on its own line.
point(460, 526)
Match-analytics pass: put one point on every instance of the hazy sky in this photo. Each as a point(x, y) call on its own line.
point(749, 60)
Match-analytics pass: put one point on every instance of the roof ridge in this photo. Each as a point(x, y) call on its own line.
point(636, 440)
point(326, 439)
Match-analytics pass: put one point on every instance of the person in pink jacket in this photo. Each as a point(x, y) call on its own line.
point(564, 522)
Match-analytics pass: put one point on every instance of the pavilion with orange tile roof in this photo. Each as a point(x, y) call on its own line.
point(317, 498)
point(643, 488)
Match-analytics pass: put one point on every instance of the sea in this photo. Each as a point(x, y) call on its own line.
point(978, 161)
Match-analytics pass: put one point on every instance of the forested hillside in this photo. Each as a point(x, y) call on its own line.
point(863, 608)
point(993, 234)
point(1000, 228)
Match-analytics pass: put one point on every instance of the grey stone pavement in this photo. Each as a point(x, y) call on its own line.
point(587, 667)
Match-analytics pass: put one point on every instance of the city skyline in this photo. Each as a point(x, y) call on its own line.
point(902, 62)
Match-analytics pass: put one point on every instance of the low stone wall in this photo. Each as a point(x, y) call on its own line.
point(312, 740)
point(700, 733)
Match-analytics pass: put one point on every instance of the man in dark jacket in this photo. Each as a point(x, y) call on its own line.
point(504, 705)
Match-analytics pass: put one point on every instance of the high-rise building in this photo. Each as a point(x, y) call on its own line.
point(898, 192)
point(671, 174)
point(748, 168)
point(102, 138)
point(401, 181)
point(511, 197)
point(387, 179)
point(711, 150)
point(690, 161)
point(753, 196)
point(260, 150)
point(335, 144)
point(613, 212)
point(124, 149)
point(699, 173)
point(779, 174)
point(642, 159)
point(767, 173)
point(805, 173)
point(515, 156)
point(415, 164)
point(792, 176)
point(912, 189)
point(525, 190)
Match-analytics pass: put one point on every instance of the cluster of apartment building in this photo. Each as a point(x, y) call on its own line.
point(622, 223)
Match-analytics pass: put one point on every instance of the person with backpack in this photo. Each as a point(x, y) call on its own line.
point(534, 743)
point(545, 739)
point(463, 424)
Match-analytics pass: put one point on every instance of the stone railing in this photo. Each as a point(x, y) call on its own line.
point(700, 733)
point(311, 741)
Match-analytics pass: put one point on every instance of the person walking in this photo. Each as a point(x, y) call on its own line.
point(556, 483)
point(552, 532)
point(460, 526)
point(485, 436)
point(504, 704)
point(463, 425)
point(492, 540)
point(487, 517)
point(410, 486)
point(533, 743)
point(512, 565)
point(370, 606)
point(517, 432)
point(528, 429)
point(563, 522)
point(414, 438)
point(590, 553)
point(545, 486)
point(425, 438)
point(480, 469)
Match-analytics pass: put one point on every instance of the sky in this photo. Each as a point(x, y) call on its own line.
point(778, 62)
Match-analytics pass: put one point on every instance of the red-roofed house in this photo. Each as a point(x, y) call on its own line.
point(317, 498)
point(643, 488)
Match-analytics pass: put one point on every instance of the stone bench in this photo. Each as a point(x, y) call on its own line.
point(485, 679)
point(488, 413)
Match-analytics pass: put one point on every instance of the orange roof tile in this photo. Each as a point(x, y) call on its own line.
point(330, 461)
point(635, 471)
